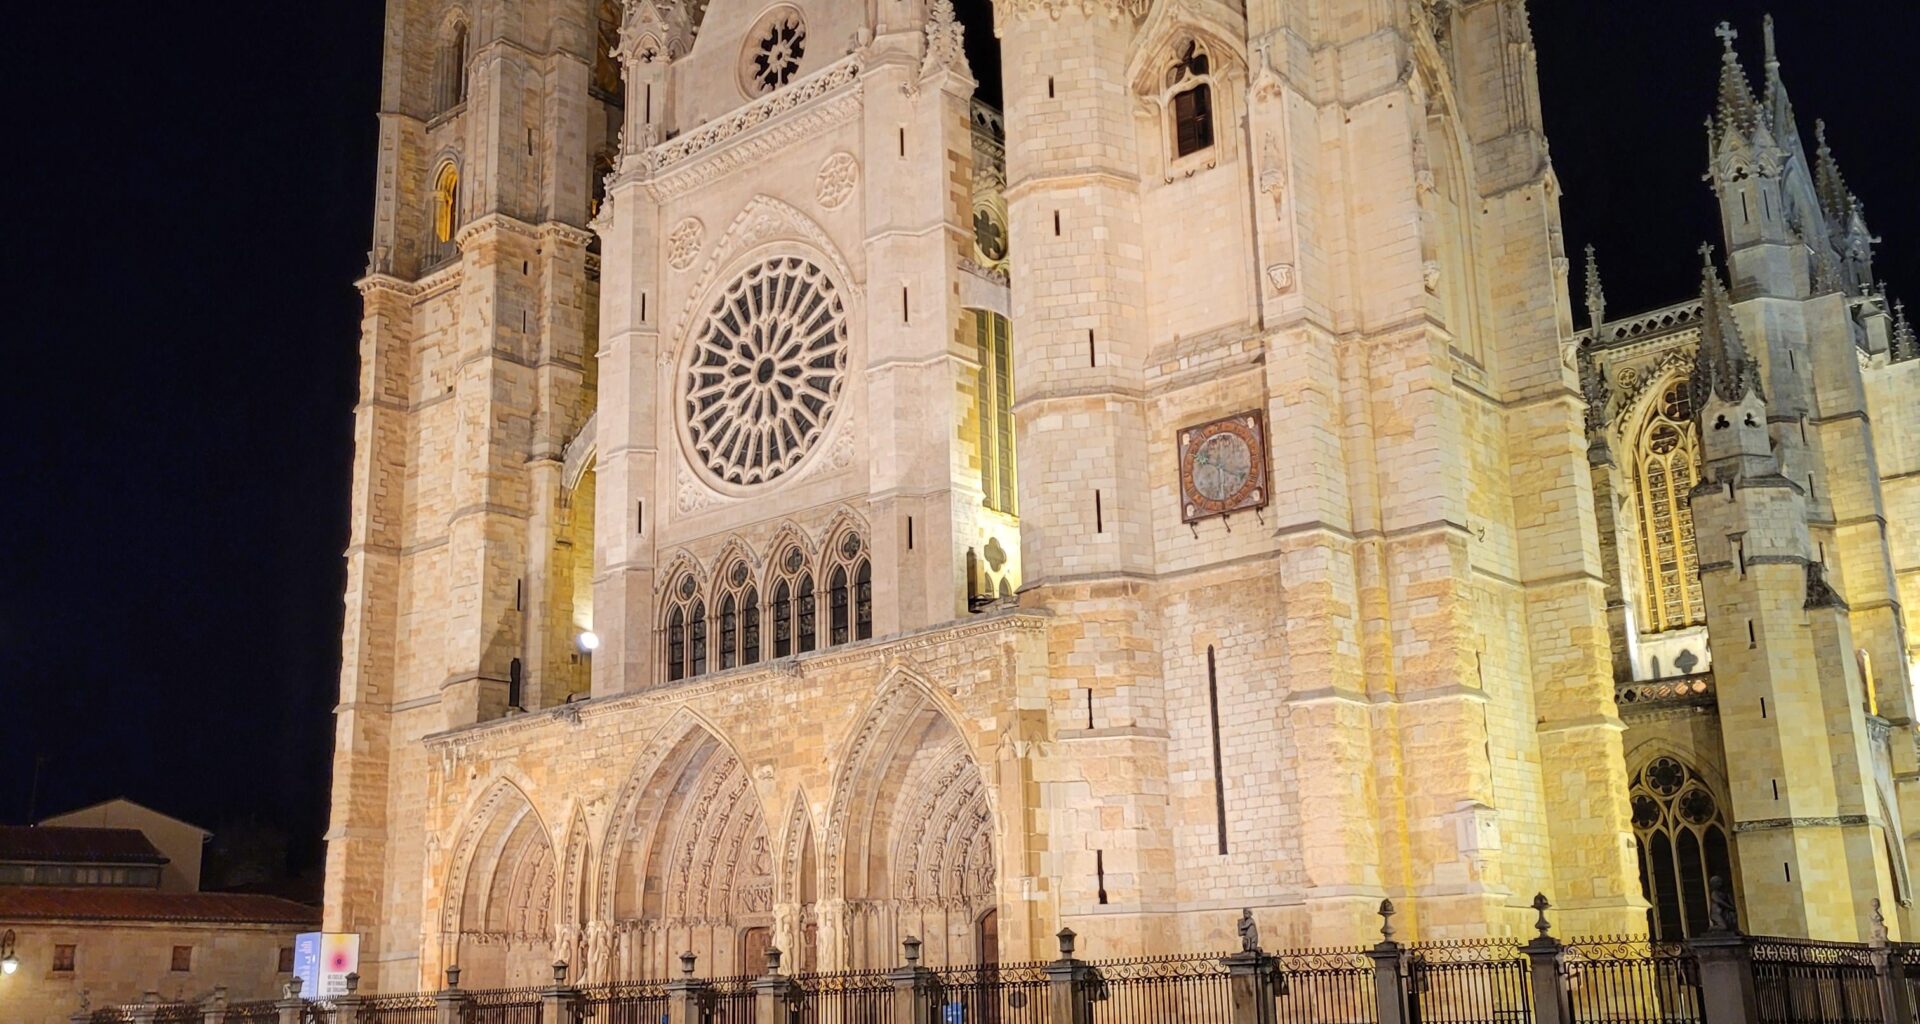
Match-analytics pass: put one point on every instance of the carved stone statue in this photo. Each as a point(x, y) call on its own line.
point(1249, 933)
point(1721, 914)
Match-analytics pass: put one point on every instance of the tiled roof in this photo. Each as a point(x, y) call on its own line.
point(103, 903)
point(62, 845)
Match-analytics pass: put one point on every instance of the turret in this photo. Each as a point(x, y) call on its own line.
point(1846, 219)
point(1746, 166)
point(1728, 401)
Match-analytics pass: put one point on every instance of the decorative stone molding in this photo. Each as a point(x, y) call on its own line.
point(837, 178)
point(683, 243)
point(1010, 10)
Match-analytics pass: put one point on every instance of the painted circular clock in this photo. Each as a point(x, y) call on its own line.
point(1223, 467)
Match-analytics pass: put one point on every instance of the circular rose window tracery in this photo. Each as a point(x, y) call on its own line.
point(764, 372)
point(775, 48)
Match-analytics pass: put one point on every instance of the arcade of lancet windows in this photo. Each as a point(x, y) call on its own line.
point(723, 621)
point(1666, 459)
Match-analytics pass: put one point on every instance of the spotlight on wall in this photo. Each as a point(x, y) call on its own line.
point(589, 641)
point(8, 962)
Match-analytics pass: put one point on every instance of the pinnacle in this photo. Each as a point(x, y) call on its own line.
point(1905, 345)
point(1737, 108)
point(1835, 199)
point(1779, 106)
point(1596, 296)
point(1721, 365)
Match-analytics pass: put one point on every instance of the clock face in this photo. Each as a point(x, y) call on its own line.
point(1223, 467)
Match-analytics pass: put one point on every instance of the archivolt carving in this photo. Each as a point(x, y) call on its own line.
point(500, 887)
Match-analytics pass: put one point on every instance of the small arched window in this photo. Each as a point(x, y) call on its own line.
point(850, 591)
point(686, 630)
point(993, 341)
point(739, 618)
point(1189, 86)
point(446, 203)
point(792, 605)
point(1666, 455)
point(453, 68)
point(1682, 839)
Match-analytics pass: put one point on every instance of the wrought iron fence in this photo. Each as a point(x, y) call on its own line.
point(1328, 986)
point(178, 1013)
point(993, 994)
point(111, 1015)
point(1191, 990)
point(410, 1009)
point(1631, 981)
point(504, 1006)
point(259, 1011)
point(732, 1001)
point(1474, 982)
point(1801, 982)
point(1908, 967)
point(625, 1002)
point(862, 997)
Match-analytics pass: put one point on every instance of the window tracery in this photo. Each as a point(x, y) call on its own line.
point(850, 591)
point(775, 49)
point(792, 607)
point(765, 371)
point(1681, 835)
point(686, 638)
point(739, 617)
point(1189, 91)
point(1666, 455)
point(994, 348)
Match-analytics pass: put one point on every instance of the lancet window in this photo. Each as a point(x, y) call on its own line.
point(993, 340)
point(686, 630)
point(452, 88)
point(1189, 86)
point(792, 608)
point(446, 203)
point(1666, 455)
point(739, 642)
point(1682, 838)
point(850, 591)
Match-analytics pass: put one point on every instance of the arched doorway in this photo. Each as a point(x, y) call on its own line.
point(499, 925)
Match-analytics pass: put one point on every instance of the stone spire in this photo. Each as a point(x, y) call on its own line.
point(946, 40)
point(1905, 346)
point(1722, 368)
point(1836, 201)
point(1779, 110)
point(1737, 112)
point(1596, 298)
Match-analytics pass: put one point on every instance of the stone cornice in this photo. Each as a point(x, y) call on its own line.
point(827, 98)
point(765, 674)
point(1009, 10)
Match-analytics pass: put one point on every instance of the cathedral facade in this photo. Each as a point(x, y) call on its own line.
point(799, 505)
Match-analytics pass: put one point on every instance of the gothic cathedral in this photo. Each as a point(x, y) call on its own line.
point(797, 504)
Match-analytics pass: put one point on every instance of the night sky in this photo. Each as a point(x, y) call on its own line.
point(193, 205)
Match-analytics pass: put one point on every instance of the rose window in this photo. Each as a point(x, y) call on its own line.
point(765, 371)
point(776, 51)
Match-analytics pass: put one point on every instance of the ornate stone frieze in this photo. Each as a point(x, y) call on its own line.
point(802, 110)
point(1009, 10)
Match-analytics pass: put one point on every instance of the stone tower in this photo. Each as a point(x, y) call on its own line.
point(477, 367)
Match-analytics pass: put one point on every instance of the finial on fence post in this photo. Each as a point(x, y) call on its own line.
point(291, 989)
point(453, 977)
point(353, 982)
point(686, 962)
point(559, 973)
point(773, 959)
point(1540, 907)
point(1386, 920)
point(1066, 943)
point(910, 948)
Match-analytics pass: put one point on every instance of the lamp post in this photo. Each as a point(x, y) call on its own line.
point(9, 963)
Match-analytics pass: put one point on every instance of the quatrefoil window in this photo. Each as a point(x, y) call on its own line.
point(764, 372)
point(774, 51)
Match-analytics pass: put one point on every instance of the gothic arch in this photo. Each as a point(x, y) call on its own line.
point(498, 917)
point(1683, 838)
point(797, 894)
point(582, 453)
point(1209, 23)
point(574, 903)
point(910, 841)
point(687, 861)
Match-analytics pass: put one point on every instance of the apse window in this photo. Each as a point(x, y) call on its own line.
point(1190, 86)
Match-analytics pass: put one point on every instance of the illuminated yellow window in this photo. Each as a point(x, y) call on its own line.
point(994, 341)
point(446, 204)
point(1666, 456)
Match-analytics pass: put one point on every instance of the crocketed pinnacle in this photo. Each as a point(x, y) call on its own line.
point(1905, 346)
point(1596, 296)
point(1779, 105)
point(1721, 366)
point(1737, 110)
point(1836, 201)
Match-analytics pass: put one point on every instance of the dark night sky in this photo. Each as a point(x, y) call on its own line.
point(194, 207)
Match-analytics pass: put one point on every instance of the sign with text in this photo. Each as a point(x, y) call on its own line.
point(322, 961)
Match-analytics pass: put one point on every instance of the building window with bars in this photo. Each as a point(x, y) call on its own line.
point(993, 340)
point(1666, 457)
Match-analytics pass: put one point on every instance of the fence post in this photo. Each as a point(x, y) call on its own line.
point(686, 994)
point(347, 1007)
point(1071, 985)
point(557, 1004)
point(1254, 978)
point(916, 989)
point(1896, 996)
point(291, 1007)
point(1726, 976)
point(1389, 967)
point(773, 996)
point(449, 1004)
point(148, 1008)
point(1544, 959)
point(213, 1009)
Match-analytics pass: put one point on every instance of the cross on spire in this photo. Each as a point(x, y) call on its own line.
point(1727, 34)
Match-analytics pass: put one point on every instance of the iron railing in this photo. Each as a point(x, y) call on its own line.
point(179, 1013)
point(861, 997)
point(1631, 981)
point(259, 1011)
point(731, 1001)
point(1801, 982)
point(1470, 982)
point(504, 1006)
point(410, 1009)
point(994, 994)
point(1328, 986)
point(1191, 990)
point(625, 1002)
